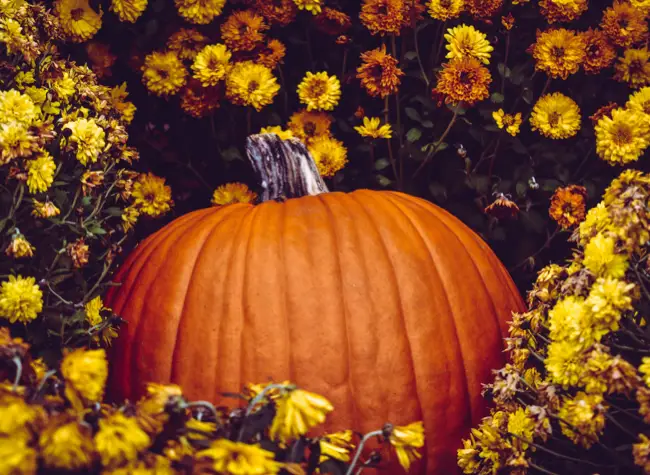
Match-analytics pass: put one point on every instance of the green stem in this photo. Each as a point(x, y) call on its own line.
point(357, 454)
point(391, 158)
point(505, 62)
point(438, 143)
point(417, 54)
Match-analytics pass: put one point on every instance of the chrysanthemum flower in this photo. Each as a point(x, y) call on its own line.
point(85, 373)
point(329, 154)
point(332, 22)
point(19, 247)
point(407, 440)
point(79, 252)
point(599, 53)
point(379, 73)
point(643, 5)
point(337, 446)
point(483, 9)
point(562, 10)
point(623, 137)
point(233, 193)
point(124, 107)
point(313, 6)
point(297, 411)
point(78, 20)
point(307, 125)
point(66, 445)
point(464, 80)
point(211, 64)
point(558, 52)
point(511, 122)
point(640, 101)
point(88, 137)
point(17, 456)
point(199, 101)
point(319, 91)
point(556, 116)
point(187, 42)
point(40, 173)
point(151, 196)
point(17, 106)
point(226, 456)
point(444, 10)
point(382, 16)
point(45, 210)
point(16, 141)
point(568, 206)
point(200, 12)
point(11, 35)
point(502, 208)
point(279, 12)
point(624, 25)
point(279, 131)
point(271, 53)
point(120, 440)
point(602, 259)
point(634, 67)
point(373, 128)
point(251, 84)
point(243, 30)
point(163, 73)
point(128, 10)
point(466, 41)
point(100, 57)
point(412, 13)
point(93, 311)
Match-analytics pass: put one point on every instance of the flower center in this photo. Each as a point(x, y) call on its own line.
point(636, 67)
point(465, 77)
point(623, 135)
point(310, 129)
point(557, 51)
point(318, 88)
point(77, 14)
point(554, 118)
point(253, 86)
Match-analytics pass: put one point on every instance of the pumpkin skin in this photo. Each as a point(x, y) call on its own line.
point(384, 303)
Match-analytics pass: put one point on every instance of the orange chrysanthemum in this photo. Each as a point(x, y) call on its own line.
point(561, 10)
point(199, 101)
point(187, 42)
point(279, 12)
point(332, 22)
point(558, 52)
point(484, 9)
point(604, 111)
point(412, 13)
point(568, 206)
point(634, 67)
point(599, 53)
point(382, 16)
point(464, 80)
point(502, 208)
point(379, 73)
point(243, 30)
point(624, 24)
point(308, 126)
point(271, 53)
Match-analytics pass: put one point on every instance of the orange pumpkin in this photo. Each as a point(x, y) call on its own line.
point(382, 302)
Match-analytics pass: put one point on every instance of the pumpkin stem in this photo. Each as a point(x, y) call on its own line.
point(285, 168)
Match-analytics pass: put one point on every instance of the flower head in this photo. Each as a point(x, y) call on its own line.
point(382, 16)
point(279, 131)
point(93, 310)
point(85, 373)
point(558, 52)
point(187, 42)
point(623, 137)
point(79, 252)
point(464, 80)
point(634, 67)
point(271, 53)
point(562, 10)
point(483, 9)
point(407, 440)
point(233, 193)
point(225, 456)
point(21, 300)
point(599, 53)
point(329, 154)
point(66, 445)
point(583, 418)
point(332, 22)
point(40, 173)
point(379, 73)
point(307, 126)
point(624, 24)
point(466, 41)
point(78, 20)
point(280, 12)
point(601, 258)
point(319, 91)
point(297, 412)
point(19, 247)
point(568, 206)
point(243, 30)
point(128, 10)
point(639, 101)
point(120, 440)
point(88, 138)
point(163, 73)
point(556, 116)
point(502, 208)
point(372, 128)
point(251, 84)
point(313, 6)
point(200, 12)
point(444, 10)
point(336, 446)
point(151, 196)
point(15, 106)
point(511, 122)
point(211, 64)
point(45, 209)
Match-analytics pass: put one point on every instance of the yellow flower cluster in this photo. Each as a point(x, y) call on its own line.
point(576, 351)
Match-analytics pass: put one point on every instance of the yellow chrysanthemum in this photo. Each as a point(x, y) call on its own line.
point(556, 116)
point(329, 154)
point(624, 24)
point(607, 300)
point(336, 446)
point(602, 260)
point(15, 106)
point(562, 10)
point(582, 418)
point(623, 137)
point(251, 84)
point(200, 12)
point(373, 128)
point(279, 131)
point(464, 80)
point(239, 458)
point(40, 173)
point(643, 5)
point(130, 216)
point(564, 363)
point(407, 440)
point(599, 53)
point(569, 320)
point(120, 440)
point(319, 91)
point(243, 30)
point(511, 122)
point(313, 6)
point(163, 73)
point(233, 193)
point(644, 369)
point(444, 10)
point(19, 247)
point(128, 10)
point(66, 445)
point(297, 411)
point(11, 34)
point(93, 311)
point(558, 52)
point(15, 141)
point(597, 220)
point(211, 64)
point(21, 300)
point(17, 456)
point(88, 138)
point(151, 196)
point(78, 20)
point(85, 373)
point(640, 101)
point(124, 107)
point(466, 41)
point(634, 67)
point(45, 210)
point(308, 126)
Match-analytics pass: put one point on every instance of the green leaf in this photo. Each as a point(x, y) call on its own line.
point(413, 135)
point(231, 154)
point(114, 211)
point(413, 114)
point(383, 181)
point(427, 123)
point(521, 188)
point(411, 55)
point(497, 97)
point(438, 191)
point(527, 96)
point(504, 71)
point(381, 164)
point(96, 229)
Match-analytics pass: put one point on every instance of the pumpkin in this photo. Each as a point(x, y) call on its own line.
point(384, 303)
